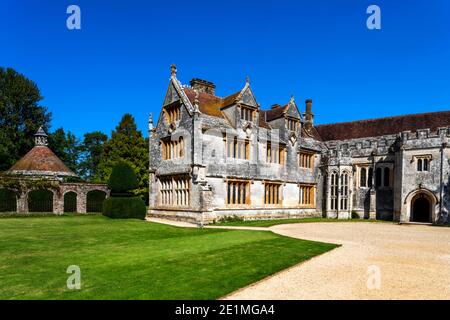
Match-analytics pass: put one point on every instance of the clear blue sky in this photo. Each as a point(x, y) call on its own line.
point(119, 61)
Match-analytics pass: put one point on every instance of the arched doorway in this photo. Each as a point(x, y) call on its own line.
point(40, 201)
point(421, 208)
point(95, 200)
point(70, 202)
point(8, 201)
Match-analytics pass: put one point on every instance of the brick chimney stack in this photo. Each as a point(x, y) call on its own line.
point(203, 86)
point(309, 117)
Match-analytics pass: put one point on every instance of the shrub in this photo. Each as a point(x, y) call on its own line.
point(233, 218)
point(123, 179)
point(124, 208)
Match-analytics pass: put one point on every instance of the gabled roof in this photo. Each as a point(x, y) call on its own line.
point(276, 112)
point(210, 104)
point(40, 161)
point(384, 126)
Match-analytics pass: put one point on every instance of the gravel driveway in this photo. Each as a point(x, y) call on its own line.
point(413, 263)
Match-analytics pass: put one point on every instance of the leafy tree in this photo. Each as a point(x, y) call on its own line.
point(66, 147)
point(126, 145)
point(20, 116)
point(92, 151)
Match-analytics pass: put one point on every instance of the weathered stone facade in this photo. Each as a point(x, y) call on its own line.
point(212, 157)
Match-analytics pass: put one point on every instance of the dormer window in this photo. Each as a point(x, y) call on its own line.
point(173, 113)
point(292, 124)
point(247, 114)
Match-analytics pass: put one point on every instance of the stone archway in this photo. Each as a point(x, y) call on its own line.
point(40, 200)
point(8, 200)
point(421, 208)
point(94, 200)
point(70, 202)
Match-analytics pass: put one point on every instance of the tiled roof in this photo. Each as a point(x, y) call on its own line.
point(210, 104)
point(262, 120)
point(40, 159)
point(276, 112)
point(311, 134)
point(384, 126)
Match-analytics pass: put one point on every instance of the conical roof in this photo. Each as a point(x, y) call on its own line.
point(41, 161)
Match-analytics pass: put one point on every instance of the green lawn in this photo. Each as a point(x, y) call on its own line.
point(134, 259)
point(270, 223)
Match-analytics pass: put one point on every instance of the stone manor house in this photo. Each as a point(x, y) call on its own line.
point(212, 157)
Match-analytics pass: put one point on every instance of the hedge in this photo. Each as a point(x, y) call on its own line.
point(124, 208)
point(123, 179)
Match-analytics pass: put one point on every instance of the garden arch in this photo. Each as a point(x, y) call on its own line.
point(94, 200)
point(40, 200)
point(8, 200)
point(70, 202)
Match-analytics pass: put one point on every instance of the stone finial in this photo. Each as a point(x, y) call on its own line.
point(292, 99)
point(196, 101)
point(247, 80)
point(173, 70)
point(40, 137)
point(150, 122)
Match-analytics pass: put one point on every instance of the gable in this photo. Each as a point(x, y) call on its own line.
point(171, 95)
point(293, 111)
point(248, 98)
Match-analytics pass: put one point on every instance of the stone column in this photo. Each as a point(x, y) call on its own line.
point(58, 202)
point(22, 203)
point(81, 202)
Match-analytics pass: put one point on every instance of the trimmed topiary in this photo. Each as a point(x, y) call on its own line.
point(123, 204)
point(124, 208)
point(123, 179)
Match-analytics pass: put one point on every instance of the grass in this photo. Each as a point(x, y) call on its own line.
point(131, 259)
point(270, 223)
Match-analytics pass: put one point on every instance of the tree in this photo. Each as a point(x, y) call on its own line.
point(20, 116)
point(92, 151)
point(123, 204)
point(66, 147)
point(126, 145)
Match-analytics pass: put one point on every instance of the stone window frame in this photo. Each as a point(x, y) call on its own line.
point(239, 146)
point(243, 191)
point(277, 157)
point(381, 183)
point(344, 190)
point(172, 113)
point(334, 191)
point(368, 176)
point(292, 124)
point(172, 149)
point(269, 190)
point(423, 162)
point(306, 159)
point(310, 200)
point(174, 191)
point(247, 113)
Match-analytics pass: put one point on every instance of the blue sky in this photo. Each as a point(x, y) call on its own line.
point(119, 61)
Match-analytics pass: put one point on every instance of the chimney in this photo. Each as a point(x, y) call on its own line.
point(203, 86)
point(309, 117)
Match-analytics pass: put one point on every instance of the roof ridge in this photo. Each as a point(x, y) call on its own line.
point(384, 118)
